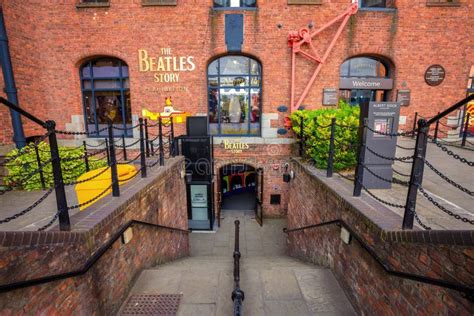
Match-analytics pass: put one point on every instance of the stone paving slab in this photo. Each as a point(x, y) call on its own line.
point(274, 284)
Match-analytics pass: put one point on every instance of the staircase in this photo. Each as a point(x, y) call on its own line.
point(274, 284)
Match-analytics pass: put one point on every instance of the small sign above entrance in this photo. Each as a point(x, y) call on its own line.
point(235, 146)
point(347, 83)
point(435, 75)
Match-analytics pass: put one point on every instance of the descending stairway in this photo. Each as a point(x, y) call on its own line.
point(274, 284)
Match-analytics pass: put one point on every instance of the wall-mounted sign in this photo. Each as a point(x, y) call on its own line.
point(435, 75)
point(366, 83)
point(235, 146)
point(329, 96)
point(166, 67)
point(305, 1)
point(403, 97)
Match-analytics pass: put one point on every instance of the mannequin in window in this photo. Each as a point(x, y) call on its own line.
point(235, 111)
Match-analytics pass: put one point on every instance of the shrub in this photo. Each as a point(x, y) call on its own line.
point(21, 168)
point(317, 137)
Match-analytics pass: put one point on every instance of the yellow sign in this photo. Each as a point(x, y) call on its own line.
point(166, 67)
point(235, 146)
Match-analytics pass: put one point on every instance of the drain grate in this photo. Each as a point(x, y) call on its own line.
point(162, 305)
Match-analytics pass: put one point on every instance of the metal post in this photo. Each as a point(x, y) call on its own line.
point(147, 141)
point(162, 153)
point(359, 173)
point(38, 160)
point(124, 148)
point(238, 295)
point(414, 125)
point(329, 171)
point(86, 158)
point(435, 138)
point(171, 143)
point(61, 202)
point(142, 149)
point(113, 161)
point(416, 177)
point(107, 150)
point(152, 149)
point(466, 128)
point(301, 136)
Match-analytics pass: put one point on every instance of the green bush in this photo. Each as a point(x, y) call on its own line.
point(20, 168)
point(317, 137)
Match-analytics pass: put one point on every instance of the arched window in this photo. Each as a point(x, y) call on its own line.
point(364, 79)
point(235, 94)
point(106, 95)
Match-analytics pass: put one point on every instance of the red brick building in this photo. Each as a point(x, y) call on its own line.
point(144, 51)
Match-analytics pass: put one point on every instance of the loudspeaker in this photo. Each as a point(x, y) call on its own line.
point(196, 126)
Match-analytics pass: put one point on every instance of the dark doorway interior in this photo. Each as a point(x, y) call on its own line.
point(238, 187)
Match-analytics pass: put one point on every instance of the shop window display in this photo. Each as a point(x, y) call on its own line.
point(234, 84)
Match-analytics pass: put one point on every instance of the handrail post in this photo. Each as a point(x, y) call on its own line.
point(142, 150)
point(147, 141)
point(301, 136)
point(414, 125)
point(238, 295)
point(416, 176)
point(113, 162)
point(40, 168)
point(330, 168)
point(86, 157)
point(171, 143)
point(152, 149)
point(124, 148)
point(162, 153)
point(435, 138)
point(359, 172)
point(466, 127)
point(61, 202)
point(107, 150)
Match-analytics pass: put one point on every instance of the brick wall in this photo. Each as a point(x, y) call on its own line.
point(447, 255)
point(102, 290)
point(48, 50)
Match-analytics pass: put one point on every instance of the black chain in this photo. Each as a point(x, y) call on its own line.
point(88, 179)
point(28, 209)
point(90, 200)
point(409, 133)
point(444, 177)
point(419, 221)
point(131, 177)
point(379, 199)
point(25, 150)
point(80, 133)
point(406, 148)
point(394, 180)
point(345, 177)
point(407, 159)
point(347, 126)
point(442, 208)
point(130, 161)
point(125, 128)
point(454, 155)
point(96, 146)
point(127, 146)
point(402, 174)
point(322, 126)
point(51, 222)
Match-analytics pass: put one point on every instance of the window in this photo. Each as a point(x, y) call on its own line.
point(373, 4)
point(234, 88)
point(159, 2)
point(443, 3)
point(363, 67)
point(92, 3)
point(106, 95)
point(235, 3)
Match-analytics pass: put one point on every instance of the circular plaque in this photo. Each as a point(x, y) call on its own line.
point(435, 75)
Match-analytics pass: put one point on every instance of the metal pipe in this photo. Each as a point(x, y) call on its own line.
point(10, 87)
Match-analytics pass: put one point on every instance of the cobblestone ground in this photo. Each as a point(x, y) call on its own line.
point(442, 192)
point(274, 284)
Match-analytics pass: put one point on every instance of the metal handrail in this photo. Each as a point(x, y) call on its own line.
point(237, 295)
point(467, 292)
point(26, 114)
point(450, 109)
point(89, 263)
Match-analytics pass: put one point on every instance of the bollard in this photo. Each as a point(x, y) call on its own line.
point(416, 176)
point(414, 125)
point(113, 162)
point(330, 168)
point(435, 138)
point(466, 128)
point(162, 153)
point(359, 173)
point(40, 168)
point(124, 148)
point(142, 150)
point(86, 158)
point(147, 141)
point(61, 202)
point(107, 151)
point(171, 143)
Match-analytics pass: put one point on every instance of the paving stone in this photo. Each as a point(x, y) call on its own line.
point(197, 310)
point(286, 308)
point(280, 284)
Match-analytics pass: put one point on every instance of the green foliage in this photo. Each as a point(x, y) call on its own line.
point(317, 137)
point(21, 168)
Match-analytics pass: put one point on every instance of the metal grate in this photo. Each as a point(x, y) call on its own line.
point(162, 305)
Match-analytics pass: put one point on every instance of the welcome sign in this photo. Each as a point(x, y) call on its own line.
point(166, 68)
point(366, 83)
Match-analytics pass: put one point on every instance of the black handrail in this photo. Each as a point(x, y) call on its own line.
point(467, 292)
point(450, 109)
point(23, 112)
point(237, 295)
point(89, 263)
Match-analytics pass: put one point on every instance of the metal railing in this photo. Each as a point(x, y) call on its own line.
point(466, 291)
point(112, 147)
point(237, 294)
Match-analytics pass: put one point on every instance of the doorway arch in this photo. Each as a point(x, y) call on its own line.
point(238, 187)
